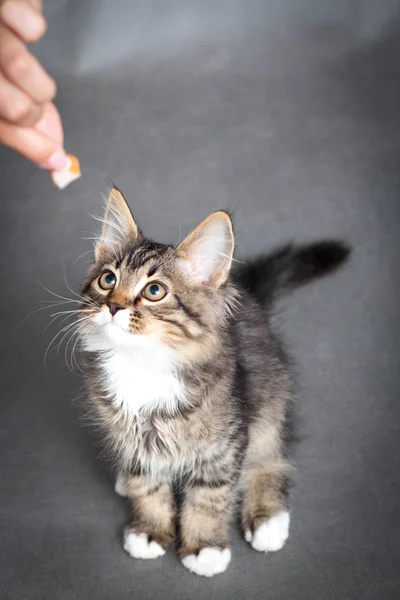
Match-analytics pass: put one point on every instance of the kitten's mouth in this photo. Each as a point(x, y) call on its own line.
point(113, 324)
point(122, 321)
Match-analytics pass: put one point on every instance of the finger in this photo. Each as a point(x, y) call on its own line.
point(34, 145)
point(37, 4)
point(24, 70)
point(23, 17)
point(16, 106)
point(50, 123)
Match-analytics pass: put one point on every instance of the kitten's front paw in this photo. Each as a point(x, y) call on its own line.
point(270, 535)
point(208, 562)
point(139, 546)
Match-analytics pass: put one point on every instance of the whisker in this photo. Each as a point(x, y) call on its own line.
point(65, 351)
point(89, 327)
point(71, 330)
point(57, 295)
point(74, 334)
point(59, 314)
point(58, 301)
point(71, 290)
point(64, 329)
point(68, 330)
point(84, 330)
point(72, 312)
point(73, 357)
point(52, 305)
point(82, 255)
point(54, 319)
point(65, 300)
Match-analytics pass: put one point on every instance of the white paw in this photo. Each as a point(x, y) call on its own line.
point(138, 546)
point(120, 485)
point(208, 562)
point(272, 534)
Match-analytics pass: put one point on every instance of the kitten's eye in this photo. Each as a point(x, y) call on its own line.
point(154, 292)
point(107, 280)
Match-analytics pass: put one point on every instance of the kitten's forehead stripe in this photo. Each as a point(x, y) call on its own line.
point(152, 271)
point(134, 253)
point(145, 252)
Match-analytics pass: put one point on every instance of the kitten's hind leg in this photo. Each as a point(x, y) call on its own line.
point(265, 515)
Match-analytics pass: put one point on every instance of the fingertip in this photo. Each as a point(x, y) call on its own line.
point(56, 161)
point(23, 18)
point(50, 124)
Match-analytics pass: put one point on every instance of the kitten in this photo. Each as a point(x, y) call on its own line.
point(191, 385)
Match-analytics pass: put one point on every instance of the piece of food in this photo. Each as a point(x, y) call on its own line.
point(64, 177)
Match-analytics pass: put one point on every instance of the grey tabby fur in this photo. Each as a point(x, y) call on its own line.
point(225, 431)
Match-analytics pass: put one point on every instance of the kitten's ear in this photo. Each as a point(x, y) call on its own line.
point(119, 229)
point(206, 254)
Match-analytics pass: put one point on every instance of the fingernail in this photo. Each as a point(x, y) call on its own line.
point(57, 161)
point(23, 18)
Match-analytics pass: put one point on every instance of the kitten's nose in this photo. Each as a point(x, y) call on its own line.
point(114, 307)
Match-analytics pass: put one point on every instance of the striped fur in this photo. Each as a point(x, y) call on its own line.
point(221, 430)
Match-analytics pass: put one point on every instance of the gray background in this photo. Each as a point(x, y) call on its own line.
point(287, 112)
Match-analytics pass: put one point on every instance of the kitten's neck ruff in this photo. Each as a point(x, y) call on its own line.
point(143, 376)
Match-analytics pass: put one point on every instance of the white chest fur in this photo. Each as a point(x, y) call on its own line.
point(141, 377)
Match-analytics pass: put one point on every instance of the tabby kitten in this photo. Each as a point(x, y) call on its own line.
point(190, 384)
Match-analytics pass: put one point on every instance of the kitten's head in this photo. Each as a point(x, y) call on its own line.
point(140, 292)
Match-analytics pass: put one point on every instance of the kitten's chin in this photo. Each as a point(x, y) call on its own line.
point(117, 333)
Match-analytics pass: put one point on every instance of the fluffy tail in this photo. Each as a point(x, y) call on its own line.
point(270, 276)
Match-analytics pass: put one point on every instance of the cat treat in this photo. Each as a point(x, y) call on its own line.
point(70, 173)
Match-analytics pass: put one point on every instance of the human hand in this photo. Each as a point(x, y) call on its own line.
point(29, 121)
